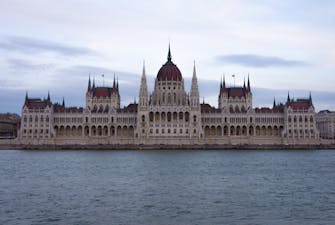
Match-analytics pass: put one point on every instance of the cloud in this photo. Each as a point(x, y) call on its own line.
point(259, 61)
point(33, 46)
point(25, 65)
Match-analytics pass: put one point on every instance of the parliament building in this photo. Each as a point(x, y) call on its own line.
point(168, 115)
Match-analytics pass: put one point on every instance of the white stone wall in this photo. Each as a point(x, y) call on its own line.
point(325, 122)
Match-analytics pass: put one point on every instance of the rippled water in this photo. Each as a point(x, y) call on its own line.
point(167, 187)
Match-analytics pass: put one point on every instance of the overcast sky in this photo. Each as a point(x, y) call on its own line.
point(54, 46)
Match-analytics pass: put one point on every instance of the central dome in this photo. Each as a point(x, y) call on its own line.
point(169, 71)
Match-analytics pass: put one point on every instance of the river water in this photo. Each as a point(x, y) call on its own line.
point(167, 187)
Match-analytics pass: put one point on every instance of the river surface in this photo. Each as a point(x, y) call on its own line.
point(167, 187)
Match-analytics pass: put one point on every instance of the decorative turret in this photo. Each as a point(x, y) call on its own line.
point(93, 86)
point(89, 84)
point(48, 98)
point(244, 84)
point(288, 97)
point(63, 103)
point(274, 102)
point(143, 95)
point(194, 95)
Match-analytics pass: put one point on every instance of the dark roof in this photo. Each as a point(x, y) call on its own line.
point(104, 91)
point(62, 109)
point(131, 108)
point(207, 108)
point(235, 91)
point(37, 103)
point(9, 117)
point(300, 104)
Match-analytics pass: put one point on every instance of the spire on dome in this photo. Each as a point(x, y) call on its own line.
point(169, 58)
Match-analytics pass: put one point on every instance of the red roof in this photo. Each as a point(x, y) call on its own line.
point(36, 103)
point(131, 108)
point(104, 91)
point(263, 110)
point(300, 104)
point(205, 107)
point(61, 109)
point(235, 91)
point(169, 71)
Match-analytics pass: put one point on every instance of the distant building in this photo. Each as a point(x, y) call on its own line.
point(168, 115)
point(9, 125)
point(325, 122)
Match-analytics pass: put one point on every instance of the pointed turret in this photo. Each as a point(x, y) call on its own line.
point(248, 85)
point(221, 83)
point(114, 81)
point(310, 98)
point(224, 82)
point(48, 98)
point(117, 83)
point(26, 96)
point(274, 102)
point(63, 103)
point(194, 89)
point(89, 84)
point(143, 95)
point(93, 86)
point(288, 97)
point(244, 84)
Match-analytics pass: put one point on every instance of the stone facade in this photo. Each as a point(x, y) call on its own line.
point(325, 121)
point(168, 115)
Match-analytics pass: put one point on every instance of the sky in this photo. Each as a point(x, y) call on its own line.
point(284, 46)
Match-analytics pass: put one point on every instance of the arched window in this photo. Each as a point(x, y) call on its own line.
point(169, 98)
